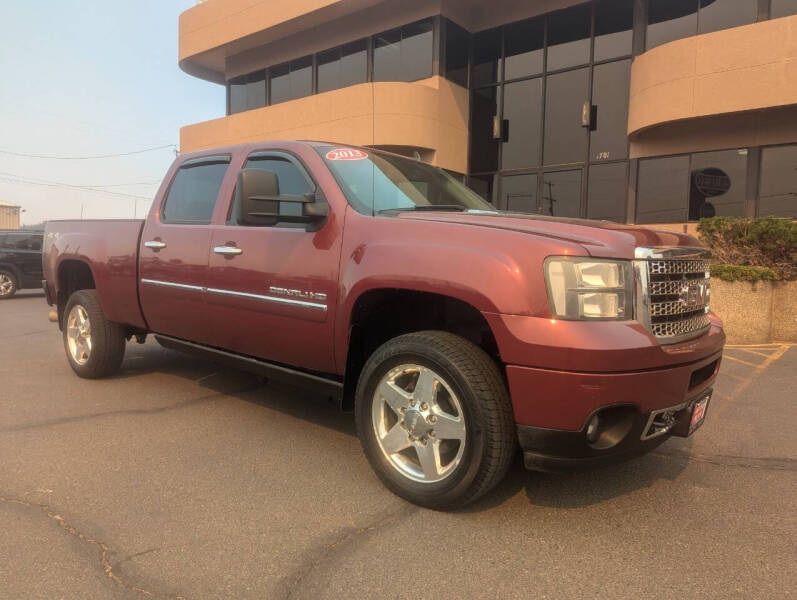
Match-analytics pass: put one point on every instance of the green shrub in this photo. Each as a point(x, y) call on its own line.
point(743, 273)
point(768, 242)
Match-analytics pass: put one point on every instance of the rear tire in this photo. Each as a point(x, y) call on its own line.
point(94, 345)
point(8, 284)
point(447, 443)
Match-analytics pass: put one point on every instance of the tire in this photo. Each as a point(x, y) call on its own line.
point(94, 345)
point(466, 393)
point(8, 284)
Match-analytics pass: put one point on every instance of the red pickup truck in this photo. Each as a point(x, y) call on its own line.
point(454, 331)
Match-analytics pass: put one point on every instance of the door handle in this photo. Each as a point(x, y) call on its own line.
point(228, 250)
point(155, 245)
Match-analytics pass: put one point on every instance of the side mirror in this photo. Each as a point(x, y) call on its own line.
point(258, 199)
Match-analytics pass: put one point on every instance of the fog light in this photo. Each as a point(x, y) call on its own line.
point(592, 429)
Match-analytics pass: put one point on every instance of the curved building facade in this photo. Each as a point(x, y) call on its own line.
point(638, 111)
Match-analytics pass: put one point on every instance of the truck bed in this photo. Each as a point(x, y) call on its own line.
point(110, 249)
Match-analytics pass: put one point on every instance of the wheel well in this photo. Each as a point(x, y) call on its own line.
point(73, 275)
point(380, 315)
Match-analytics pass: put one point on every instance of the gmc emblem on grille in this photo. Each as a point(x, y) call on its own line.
point(695, 293)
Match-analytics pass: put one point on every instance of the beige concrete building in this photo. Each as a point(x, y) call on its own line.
point(640, 111)
point(9, 215)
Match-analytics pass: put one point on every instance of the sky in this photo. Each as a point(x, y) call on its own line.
point(90, 78)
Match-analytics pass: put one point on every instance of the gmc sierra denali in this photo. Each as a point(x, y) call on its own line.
point(454, 331)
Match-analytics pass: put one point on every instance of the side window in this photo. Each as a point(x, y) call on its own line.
point(23, 241)
point(193, 192)
point(292, 181)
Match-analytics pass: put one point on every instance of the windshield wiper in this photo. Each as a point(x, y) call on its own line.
point(428, 208)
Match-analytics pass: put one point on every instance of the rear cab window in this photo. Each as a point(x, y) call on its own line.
point(194, 190)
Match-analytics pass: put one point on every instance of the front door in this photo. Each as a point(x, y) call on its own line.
point(272, 291)
point(174, 251)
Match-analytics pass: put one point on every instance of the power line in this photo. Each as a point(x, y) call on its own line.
point(142, 151)
point(25, 181)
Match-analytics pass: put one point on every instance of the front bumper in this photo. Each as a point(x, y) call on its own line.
point(555, 451)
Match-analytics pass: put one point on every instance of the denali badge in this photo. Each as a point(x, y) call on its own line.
point(281, 291)
point(695, 293)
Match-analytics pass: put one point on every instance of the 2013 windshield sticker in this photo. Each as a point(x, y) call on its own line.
point(346, 154)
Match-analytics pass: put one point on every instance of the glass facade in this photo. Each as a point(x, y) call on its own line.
point(549, 100)
point(403, 54)
point(549, 97)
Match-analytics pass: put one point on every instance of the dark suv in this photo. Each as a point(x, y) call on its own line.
point(20, 261)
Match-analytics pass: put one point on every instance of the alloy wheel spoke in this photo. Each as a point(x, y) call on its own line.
point(426, 387)
point(395, 440)
point(429, 457)
point(395, 397)
point(448, 427)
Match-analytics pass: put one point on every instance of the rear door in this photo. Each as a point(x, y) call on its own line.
point(24, 251)
point(174, 250)
point(275, 298)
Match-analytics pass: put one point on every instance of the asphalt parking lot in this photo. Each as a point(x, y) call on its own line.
point(178, 479)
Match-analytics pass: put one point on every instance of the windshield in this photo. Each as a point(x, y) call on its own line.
point(376, 182)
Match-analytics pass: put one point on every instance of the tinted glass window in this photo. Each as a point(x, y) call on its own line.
point(23, 241)
point(342, 67)
point(354, 63)
point(783, 8)
point(417, 51)
point(614, 20)
point(607, 192)
point(718, 184)
point(610, 92)
point(519, 193)
point(387, 56)
point(292, 80)
point(561, 194)
point(523, 44)
point(482, 185)
point(565, 138)
point(237, 92)
point(280, 82)
point(302, 77)
point(522, 113)
point(486, 57)
point(404, 54)
point(670, 20)
point(663, 190)
point(778, 193)
point(193, 193)
point(256, 90)
point(724, 14)
point(291, 181)
point(483, 147)
point(568, 37)
point(457, 53)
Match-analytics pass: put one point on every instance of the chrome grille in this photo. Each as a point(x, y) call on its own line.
point(675, 288)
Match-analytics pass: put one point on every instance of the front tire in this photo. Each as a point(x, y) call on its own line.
point(8, 284)
point(94, 345)
point(434, 419)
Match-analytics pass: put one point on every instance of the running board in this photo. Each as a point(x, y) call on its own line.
point(316, 383)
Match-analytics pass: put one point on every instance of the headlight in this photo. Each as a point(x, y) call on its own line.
point(588, 288)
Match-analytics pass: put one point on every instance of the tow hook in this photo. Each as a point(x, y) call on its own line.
point(52, 316)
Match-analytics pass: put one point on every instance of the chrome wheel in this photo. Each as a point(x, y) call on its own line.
point(419, 423)
point(78, 334)
point(6, 284)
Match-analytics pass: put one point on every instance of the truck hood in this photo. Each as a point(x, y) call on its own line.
point(598, 238)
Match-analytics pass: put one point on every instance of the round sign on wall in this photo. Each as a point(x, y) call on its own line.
point(346, 154)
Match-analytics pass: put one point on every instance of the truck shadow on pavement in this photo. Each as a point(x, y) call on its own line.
point(564, 491)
